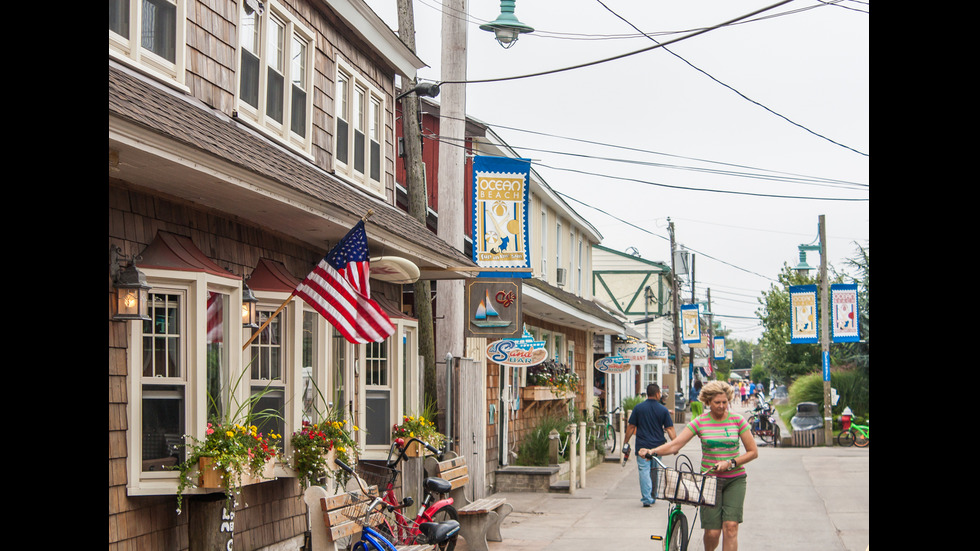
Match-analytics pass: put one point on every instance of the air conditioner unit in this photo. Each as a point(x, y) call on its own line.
point(561, 277)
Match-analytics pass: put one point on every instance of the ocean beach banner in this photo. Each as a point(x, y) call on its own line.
point(844, 323)
point(501, 197)
point(803, 314)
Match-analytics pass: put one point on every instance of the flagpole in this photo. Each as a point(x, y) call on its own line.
point(282, 306)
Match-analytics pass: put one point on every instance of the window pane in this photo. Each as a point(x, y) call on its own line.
point(360, 115)
point(269, 400)
point(159, 28)
point(274, 98)
point(161, 337)
point(375, 133)
point(250, 78)
point(378, 417)
point(219, 324)
point(162, 426)
point(342, 118)
point(338, 363)
point(298, 121)
point(119, 17)
point(297, 72)
point(312, 387)
point(274, 59)
point(266, 349)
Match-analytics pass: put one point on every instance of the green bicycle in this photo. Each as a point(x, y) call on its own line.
point(857, 435)
point(678, 533)
point(605, 432)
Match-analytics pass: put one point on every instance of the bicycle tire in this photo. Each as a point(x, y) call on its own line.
point(845, 438)
point(442, 515)
point(678, 534)
point(609, 440)
point(753, 421)
point(862, 441)
point(775, 435)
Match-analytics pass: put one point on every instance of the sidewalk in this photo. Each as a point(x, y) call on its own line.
point(798, 498)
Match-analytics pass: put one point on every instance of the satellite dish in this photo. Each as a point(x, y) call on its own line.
point(394, 269)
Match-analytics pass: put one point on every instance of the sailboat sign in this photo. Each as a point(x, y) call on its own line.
point(493, 308)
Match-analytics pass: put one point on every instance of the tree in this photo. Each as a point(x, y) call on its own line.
point(859, 353)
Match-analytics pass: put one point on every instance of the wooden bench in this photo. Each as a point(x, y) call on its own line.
point(338, 521)
point(480, 520)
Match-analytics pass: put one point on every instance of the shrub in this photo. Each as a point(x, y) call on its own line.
point(534, 448)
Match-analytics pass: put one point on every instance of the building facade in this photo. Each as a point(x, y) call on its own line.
point(245, 140)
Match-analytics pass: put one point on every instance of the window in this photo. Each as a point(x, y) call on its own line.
point(378, 396)
point(274, 76)
point(558, 246)
point(579, 267)
point(267, 367)
point(544, 244)
point(360, 124)
point(163, 380)
point(150, 35)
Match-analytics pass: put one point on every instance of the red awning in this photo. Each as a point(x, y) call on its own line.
point(170, 251)
point(271, 275)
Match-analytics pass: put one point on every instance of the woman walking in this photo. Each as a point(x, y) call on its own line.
point(720, 431)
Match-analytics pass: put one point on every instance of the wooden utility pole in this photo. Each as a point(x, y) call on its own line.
point(675, 299)
point(417, 202)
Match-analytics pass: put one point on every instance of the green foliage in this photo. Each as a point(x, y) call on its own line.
point(852, 385)
point(631, 402)
point(535, 446)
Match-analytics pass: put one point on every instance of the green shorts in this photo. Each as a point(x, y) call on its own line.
point(728, 504)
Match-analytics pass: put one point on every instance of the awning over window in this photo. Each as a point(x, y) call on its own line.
point(170, 251)
point(271, 275)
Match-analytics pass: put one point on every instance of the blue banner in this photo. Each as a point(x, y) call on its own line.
point(501, 197)
point(803, 314)
point(845, 318)
point(690, 324)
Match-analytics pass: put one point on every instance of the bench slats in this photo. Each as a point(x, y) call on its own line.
point(481, 506)
point(338, 520)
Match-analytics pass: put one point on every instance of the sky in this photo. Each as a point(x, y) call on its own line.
point(742, 136)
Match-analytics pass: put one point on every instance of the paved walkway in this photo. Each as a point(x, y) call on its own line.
point(805, 499)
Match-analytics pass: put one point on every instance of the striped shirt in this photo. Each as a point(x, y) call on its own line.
point(719, 440)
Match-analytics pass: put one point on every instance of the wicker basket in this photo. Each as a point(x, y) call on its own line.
point(686, 487)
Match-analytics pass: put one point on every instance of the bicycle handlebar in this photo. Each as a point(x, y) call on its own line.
point(401, 451)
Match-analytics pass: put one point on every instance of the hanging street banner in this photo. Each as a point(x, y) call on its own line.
point(719, 348)
point(613, 364)
point(690, 324)
point(803, 314)
point(844, 321)
point(501, 197)
point(493, 308)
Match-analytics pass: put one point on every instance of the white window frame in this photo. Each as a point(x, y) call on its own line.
point(370, 116)
point(273, 13)
point(130, 51)
point(193, 287)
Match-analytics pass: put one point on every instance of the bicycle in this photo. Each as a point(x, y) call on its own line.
point(685, 491)
point(856, 435)
point(397, 527)
point(605, 432)
point(374, 539)
point(763, 424)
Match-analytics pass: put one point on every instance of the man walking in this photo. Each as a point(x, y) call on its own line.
point(649, 420)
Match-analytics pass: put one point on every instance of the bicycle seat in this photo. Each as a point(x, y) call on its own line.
point(438, 532)
point(437, 485)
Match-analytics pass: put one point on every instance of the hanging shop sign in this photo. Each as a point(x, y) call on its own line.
point(493, 308)
point(524, 351)
point(501, 197)
point(690, 324)
point(632, 351)
point(845, 321)
point(803, 314)
point(613, 364)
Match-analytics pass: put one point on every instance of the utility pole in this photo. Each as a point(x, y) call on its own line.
point(676, 297)
point(828, 430)
point(694, 300)
point(452, 127)
point(412, 132)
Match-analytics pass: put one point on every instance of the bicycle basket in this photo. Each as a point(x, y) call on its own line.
point(355, 508)
point(687, 488)
point(375, 475)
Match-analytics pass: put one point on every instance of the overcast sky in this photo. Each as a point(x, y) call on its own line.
point(743, 136)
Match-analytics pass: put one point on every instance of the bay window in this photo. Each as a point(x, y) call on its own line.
point(149, 34)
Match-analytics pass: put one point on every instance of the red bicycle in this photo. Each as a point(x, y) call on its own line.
point(429, 524)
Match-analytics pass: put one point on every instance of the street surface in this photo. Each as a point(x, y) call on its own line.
point(800, 499)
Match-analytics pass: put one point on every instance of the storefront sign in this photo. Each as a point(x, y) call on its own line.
point(632, 351)
point(501, 197)
point(517, 352)
point(613, 364)
point(493, 308)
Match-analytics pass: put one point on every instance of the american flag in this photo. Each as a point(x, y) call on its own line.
point(338, 288)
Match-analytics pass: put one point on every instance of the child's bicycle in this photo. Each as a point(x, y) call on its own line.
point(362, 508)
point(856, 435)
point(397, 527)
point(681, 486)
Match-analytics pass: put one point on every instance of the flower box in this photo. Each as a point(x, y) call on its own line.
point(210, 477)
point(542, 393)
point(415, 449)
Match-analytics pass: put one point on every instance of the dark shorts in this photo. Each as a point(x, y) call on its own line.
point(728, 504)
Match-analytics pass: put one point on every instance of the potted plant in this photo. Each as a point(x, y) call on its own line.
point(421, 427)
point(233, 452)
point(317, 444)
point(557, 376)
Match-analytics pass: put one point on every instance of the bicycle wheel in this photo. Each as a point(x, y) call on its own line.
point(678, 534)
point(609, 440)
point(753, 422)
point(862, 441)
point(442, 515)
point(845, 438)
point(775, 435)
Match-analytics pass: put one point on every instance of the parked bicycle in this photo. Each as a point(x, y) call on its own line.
point(855, 435)
point(433, 510)
point(763, 424)
point(681, 486)
point(606, 432)
point(362, 506)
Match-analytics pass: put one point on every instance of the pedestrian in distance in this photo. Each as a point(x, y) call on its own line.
point(720, 431)
point(649, 421)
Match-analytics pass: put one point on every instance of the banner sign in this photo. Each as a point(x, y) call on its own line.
point(524, 351)
point(613, 364)
point(493, 308)
point(632, 351)
point(690, 324)
point(660, 354)
point(501, 197)
point(803, 314)
point(844, 321)
point(719, 348)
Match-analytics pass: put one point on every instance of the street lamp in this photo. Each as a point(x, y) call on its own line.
point(506, 27)
point(802, 268)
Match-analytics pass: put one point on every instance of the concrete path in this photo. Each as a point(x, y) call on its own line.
point(804, 499)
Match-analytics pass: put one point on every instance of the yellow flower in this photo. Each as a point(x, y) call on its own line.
point(355, 427)
point(230, 434)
